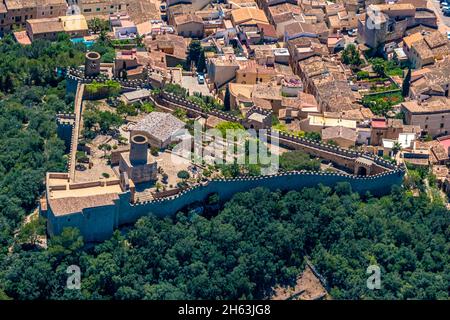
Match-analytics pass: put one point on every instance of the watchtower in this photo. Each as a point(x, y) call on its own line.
point(92, 64)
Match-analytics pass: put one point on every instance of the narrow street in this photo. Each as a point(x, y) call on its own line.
point(443, 21)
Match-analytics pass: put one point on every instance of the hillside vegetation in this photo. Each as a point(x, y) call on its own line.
point(258, 240)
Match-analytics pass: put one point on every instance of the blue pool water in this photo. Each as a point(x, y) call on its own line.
point(87, 43)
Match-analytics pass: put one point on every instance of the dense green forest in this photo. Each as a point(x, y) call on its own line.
point(31, 94)
point(257, 240)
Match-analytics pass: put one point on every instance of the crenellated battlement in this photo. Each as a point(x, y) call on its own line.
point(106, 205)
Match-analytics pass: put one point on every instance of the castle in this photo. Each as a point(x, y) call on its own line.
point(99, 207)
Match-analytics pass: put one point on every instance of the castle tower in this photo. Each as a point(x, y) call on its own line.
point(92, 64)
point(138, 164)
point(138, 149)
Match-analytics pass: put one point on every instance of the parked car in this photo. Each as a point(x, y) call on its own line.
point(352, 32)
point(444, 4)
point(201, 79)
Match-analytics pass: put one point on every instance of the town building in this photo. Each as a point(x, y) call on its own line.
point(431, 81)
point(136, 96)
point(389, 129)
point(256, 34)
point(45, 29)
point(195, 4)
point(75, 26)
point(342, 136)
point(250, 72)
point(166, 50)
point(100, 8)
point(432, 115)
point(281, 9)
point(15, 13)
point(127, 65)
point(222, 69)
point(303, 48)
point(138, 10)
point(248, 16)
point(159, 128)
point(189, 25)
point(316, 122)
point(49, 28)
point(327, 81)
point(123, 27)
point(240, 95)
point(300, 29)
point(389, 22)
point(425, 48)
point(267, 96)
point(341, 20)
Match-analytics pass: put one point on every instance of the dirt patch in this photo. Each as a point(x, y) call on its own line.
point(308, 287)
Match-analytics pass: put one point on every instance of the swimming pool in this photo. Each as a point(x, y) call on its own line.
point(87, 43)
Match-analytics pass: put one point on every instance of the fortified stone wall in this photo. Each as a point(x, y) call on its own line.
point(97, 224)
point(64, 128)
point(226, 188)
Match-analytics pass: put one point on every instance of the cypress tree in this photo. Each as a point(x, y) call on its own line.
point(406, 83)
point(226, 99)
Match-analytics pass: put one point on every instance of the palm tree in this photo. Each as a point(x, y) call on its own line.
point(103, 37)
point(396, 147)
point(139, 40)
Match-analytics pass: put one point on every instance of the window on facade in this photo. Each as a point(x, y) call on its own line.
point(442, 125)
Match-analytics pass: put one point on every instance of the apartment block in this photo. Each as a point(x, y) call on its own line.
point(432, 115)
point(15, 13)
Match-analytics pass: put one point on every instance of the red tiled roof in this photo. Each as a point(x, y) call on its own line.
point(269, 30)
point(379, 124)
point(22, 37)
point(445, 142)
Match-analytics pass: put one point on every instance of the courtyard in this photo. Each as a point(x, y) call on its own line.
point(192, 85)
